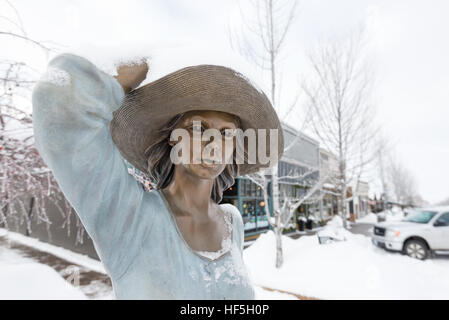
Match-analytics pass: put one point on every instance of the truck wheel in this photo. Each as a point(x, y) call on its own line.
point(416, 249)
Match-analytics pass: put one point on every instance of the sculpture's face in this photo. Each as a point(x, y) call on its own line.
point(206, 151)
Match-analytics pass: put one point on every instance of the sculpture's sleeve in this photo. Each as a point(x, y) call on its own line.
point(72, 108)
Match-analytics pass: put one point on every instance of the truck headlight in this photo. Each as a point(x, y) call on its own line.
point(392, 233)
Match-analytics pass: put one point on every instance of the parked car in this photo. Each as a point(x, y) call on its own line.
point(422, 233)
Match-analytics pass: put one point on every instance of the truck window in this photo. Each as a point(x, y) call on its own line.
point(443, 220)
point(420, 216)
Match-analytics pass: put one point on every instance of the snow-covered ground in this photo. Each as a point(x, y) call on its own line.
point(24, 278)
point(350, 269)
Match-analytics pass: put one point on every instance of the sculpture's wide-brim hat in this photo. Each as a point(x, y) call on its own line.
point(149, 108)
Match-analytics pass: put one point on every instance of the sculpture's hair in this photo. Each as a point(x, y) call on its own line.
point(161, 169)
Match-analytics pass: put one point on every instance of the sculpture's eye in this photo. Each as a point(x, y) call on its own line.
point(228, 133)
point(197, 128)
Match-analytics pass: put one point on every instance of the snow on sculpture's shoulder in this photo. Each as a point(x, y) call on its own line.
point(237, 222)
point(56, 76)
point(236, 216)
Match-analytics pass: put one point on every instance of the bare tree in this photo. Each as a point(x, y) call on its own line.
point(381, 168)
point(397, 182)
point(26, 183)
point(338, 94)
point(444, 202)
point(261, 40)
point(288, 204)
point(402, 183)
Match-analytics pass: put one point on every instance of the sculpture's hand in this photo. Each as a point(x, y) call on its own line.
point(131, 75)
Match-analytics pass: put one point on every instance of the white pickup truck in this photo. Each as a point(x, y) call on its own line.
point(422, 233)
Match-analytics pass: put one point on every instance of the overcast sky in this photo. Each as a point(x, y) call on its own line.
point(409, 45)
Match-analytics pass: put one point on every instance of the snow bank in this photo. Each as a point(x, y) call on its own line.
point(395, 216)
point(351, 269)
point(334, 229)
point(392, 215)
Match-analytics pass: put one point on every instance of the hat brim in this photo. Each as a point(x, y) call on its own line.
point(147, 109)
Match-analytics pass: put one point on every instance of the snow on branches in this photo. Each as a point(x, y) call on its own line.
point(27, 186)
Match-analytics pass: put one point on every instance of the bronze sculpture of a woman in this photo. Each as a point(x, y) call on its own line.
point(176, 241)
